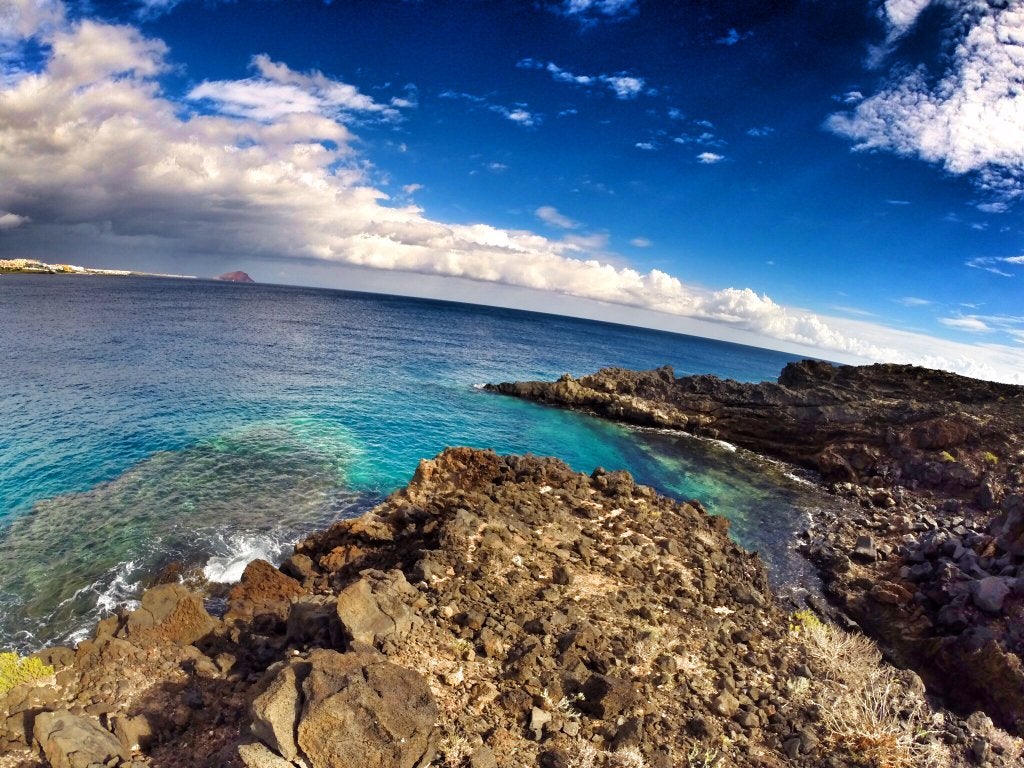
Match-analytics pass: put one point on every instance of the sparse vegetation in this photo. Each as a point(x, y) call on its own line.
point(586, 755)
point(990, 458)
point(15, 670)
point(947, 457)
point(700, 757)
point(865, 708)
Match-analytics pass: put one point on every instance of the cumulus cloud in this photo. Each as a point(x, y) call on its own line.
point(550, 215)
point(760, 131)
point(969, 118)
point(23, 19)
point(93, 152)
point(709, 158)
point(11, 220)
point(624, 85)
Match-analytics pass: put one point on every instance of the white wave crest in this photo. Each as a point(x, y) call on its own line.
point(238, 550)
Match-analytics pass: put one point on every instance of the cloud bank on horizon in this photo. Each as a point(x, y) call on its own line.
point(92, 147)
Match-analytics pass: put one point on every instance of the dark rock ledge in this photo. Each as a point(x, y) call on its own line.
point(930, 558)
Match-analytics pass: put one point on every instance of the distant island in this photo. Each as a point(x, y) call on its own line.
point(236, 277)
point(33, 267)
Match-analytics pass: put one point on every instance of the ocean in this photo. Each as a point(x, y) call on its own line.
point(148, 422)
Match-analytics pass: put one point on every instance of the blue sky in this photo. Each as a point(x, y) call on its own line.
point(840, 178)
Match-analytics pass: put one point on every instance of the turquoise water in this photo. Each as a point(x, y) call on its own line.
point(145, 422)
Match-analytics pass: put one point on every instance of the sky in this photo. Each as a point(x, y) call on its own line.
point(842, 179)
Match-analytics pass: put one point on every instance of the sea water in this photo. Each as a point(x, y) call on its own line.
point(145, 422)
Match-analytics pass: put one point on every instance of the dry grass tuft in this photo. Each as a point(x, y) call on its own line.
point(586, 755)
point(865, 706)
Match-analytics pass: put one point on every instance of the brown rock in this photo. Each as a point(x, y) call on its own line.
point(263, 596)
point(169, 612)
point(362, 710)
point(376, 606)
point(73, 741)
point(605, 696)
point(275, 712)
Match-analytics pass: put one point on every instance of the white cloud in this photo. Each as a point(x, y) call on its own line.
point(151, 8)
point(24, 19)
point(640, 242)
point(732, 37)
point(709, 158)
point(11, 220)
point(914, 301)
point(970, 118)
point(622, 84)
point(901, 15)
point(98, 160)
point(645, 145)
point(496, 167)
point(760, 131)
point(588, 10)
point(410, 189)
point(276, 91)
point(994, 264)
point(898, 202)
point(550, 215)
point(517, 113)
point(971, 324)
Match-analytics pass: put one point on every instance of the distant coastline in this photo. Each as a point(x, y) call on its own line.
point(33, 267)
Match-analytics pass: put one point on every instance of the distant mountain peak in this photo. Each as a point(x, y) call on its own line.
point(236, 277)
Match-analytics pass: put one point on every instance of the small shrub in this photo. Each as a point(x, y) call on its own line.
point(15, 670)
point(803, 621)
point(990, 458)
point(865, 709)
point(947, 457)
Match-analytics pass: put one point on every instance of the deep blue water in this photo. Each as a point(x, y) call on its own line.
point(146, 421)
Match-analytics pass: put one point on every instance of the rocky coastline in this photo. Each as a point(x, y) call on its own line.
point(929, 558)
point(498, 611)
point(507, 611)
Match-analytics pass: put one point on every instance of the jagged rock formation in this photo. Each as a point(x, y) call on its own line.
point(931, 558)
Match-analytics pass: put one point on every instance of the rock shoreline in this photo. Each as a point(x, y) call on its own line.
point(498, 611)
point(930, 557)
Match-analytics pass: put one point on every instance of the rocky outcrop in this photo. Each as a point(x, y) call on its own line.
point(235, 277)
point(500, 610)
point(905, 425)
point(930, 557)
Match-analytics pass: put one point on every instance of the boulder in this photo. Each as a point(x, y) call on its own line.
point(360, 709)
point(256, 755)
point(990, 593)
point(378, 605)
point(605, 696)
point(73, 741)
point(169, 612)
point(262, 596)
point(275, 712)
